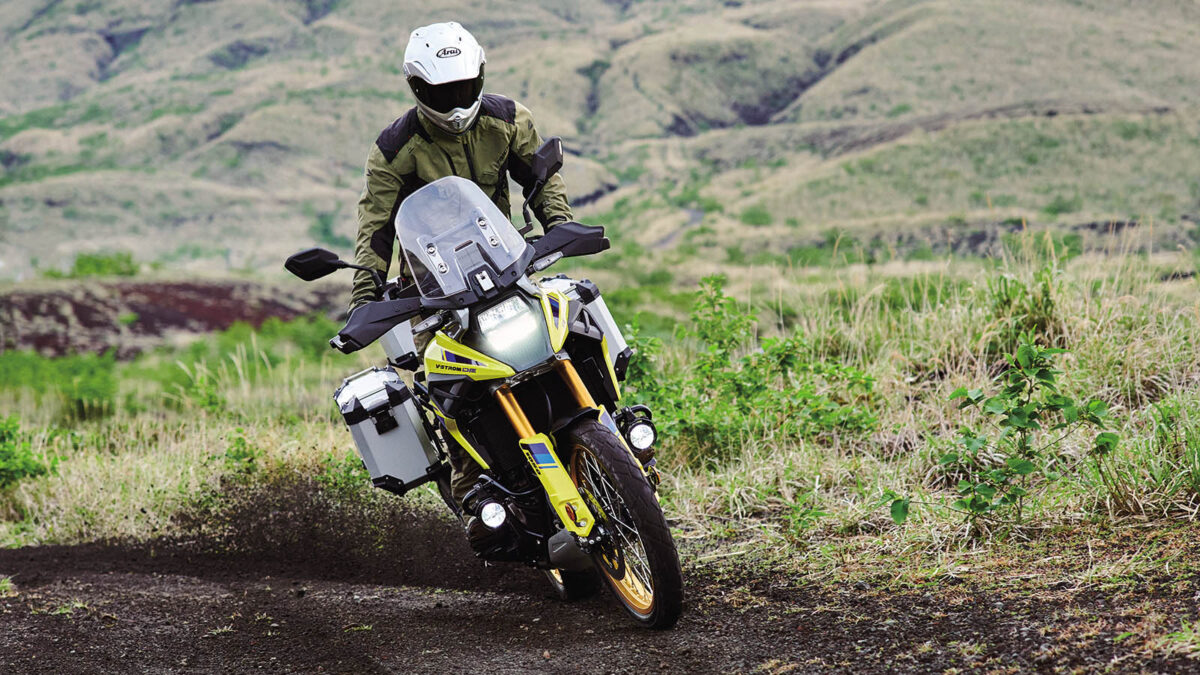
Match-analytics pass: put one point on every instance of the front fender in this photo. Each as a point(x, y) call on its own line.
point(562, 426)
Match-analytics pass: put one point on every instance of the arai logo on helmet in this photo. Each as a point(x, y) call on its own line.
point(447, 52)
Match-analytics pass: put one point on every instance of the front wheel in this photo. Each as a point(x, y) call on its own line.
point(638, 561)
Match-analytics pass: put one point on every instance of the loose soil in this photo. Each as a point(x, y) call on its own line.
point(163, 608)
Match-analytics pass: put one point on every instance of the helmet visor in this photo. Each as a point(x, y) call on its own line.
point(446, 97)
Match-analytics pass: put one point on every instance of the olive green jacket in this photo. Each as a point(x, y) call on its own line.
point(412, 153)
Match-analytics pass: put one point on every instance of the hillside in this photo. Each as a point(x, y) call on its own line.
point(223, 135)
point(912, 287)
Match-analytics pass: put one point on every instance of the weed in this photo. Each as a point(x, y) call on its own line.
point(343, 473)
point(1029, 418)
point(1184, 642)
point(69, 608)
point(241, 458)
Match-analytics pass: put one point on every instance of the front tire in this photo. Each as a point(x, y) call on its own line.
point(639, 563)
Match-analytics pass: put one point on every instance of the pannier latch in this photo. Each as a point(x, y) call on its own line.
point(384, 420)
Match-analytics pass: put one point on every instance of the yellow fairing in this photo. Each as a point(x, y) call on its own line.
point(452, 427)
point(611, 371)
point(555, 305)
point(444, 356)
point(564, 496)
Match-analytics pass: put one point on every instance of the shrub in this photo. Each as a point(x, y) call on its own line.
point(1029, 418)
point(756, 215)
point(241, 458)
point(1060, 205)
point(1021, 308)
point(738, 386)
point(85, 384)
point(17, 460)
point(119, 264)
point(1049, 246)
point(323, 229)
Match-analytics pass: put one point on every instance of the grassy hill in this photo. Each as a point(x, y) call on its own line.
point(218, 135)
point(910, 201)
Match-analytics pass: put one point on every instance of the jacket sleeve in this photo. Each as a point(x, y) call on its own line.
point(376, 229)
point(551, 206)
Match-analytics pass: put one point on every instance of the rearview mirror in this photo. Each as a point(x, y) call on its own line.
point(314, 263)
point(548, 159)
point(546, 162)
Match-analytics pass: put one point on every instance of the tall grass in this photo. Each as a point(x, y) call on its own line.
point(738, 462)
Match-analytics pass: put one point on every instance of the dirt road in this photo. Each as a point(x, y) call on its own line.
point(95, 608)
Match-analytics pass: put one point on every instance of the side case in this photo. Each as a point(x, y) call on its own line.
point(388, 429)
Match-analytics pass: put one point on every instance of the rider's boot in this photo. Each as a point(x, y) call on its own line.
point(464, 473)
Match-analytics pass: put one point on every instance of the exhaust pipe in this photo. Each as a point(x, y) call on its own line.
point(565, 552)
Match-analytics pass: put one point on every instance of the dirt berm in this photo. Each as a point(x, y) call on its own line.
point(165, 607)
point(84, 315)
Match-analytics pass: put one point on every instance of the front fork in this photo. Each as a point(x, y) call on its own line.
point(539, 451)
point(584, 397)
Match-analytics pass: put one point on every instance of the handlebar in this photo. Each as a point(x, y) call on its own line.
point(369, 322)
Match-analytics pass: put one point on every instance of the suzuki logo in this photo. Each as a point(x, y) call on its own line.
point(447, 52)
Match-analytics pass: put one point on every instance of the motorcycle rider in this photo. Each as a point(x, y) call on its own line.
point(454, 130)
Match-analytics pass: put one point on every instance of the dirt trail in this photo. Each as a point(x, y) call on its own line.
point(96, 608)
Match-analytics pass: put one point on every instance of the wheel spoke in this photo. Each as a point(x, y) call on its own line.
point(625, 535)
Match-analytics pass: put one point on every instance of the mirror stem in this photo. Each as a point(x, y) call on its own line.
point(375, 276)
point(537, 189)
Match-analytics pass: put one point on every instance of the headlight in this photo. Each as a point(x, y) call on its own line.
point(494, 316)
point(642, 434)
point(513, 331)
point(508, 322)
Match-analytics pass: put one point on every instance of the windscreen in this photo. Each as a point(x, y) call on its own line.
point(449, 229)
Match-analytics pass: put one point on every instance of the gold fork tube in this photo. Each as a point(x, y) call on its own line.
point(508, 403)
point(571, 377)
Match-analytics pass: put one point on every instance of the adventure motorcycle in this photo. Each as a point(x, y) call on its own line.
point(523, 375)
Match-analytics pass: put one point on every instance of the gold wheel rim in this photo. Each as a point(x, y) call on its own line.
point(633, 585)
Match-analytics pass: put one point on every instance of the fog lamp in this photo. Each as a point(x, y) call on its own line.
point(641, 435)
point(493, 515)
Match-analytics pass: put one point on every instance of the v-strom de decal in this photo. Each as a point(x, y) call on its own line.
point(445, 356)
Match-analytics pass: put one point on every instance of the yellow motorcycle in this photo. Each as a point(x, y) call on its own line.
point(522, 377)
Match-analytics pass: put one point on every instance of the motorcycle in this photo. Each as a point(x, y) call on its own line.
point(521, 376)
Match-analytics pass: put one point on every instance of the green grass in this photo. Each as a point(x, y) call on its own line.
point(85, 265)
point(52, 117)
point(32, 173)
point(323, 229)
point(756, 216)
point(254, 405)
point(1082, 174)
point(844, 250)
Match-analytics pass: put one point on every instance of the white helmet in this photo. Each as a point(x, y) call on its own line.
point(444, 67)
